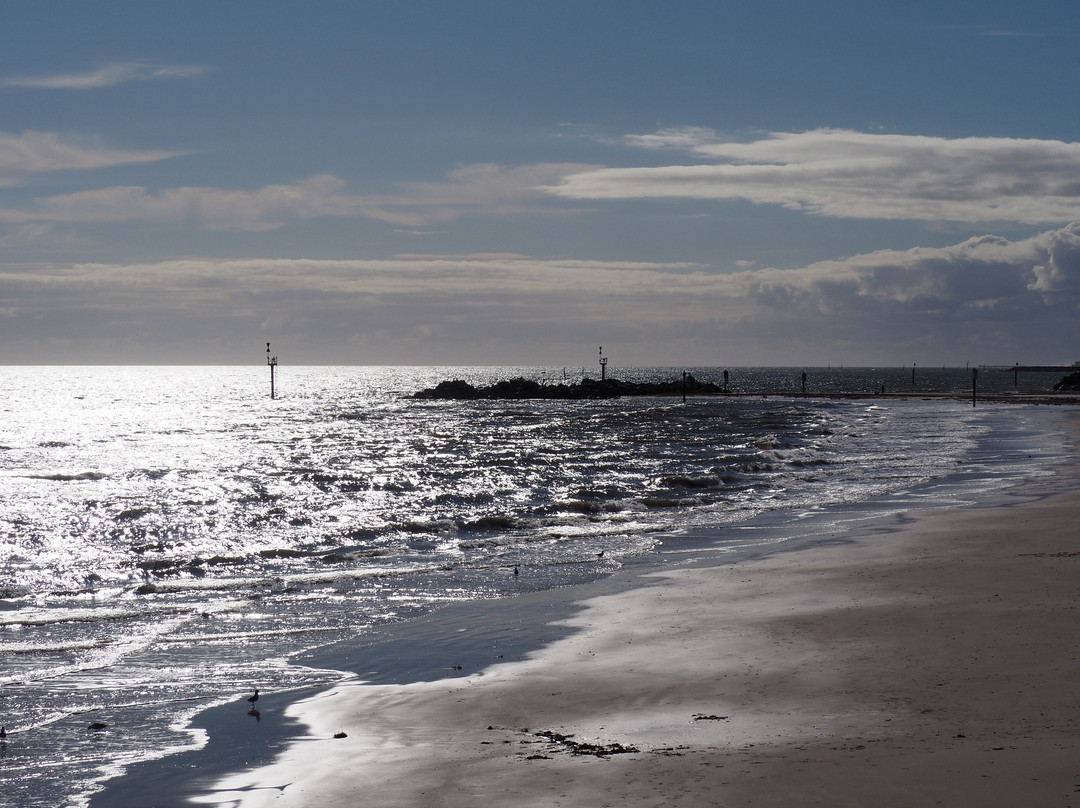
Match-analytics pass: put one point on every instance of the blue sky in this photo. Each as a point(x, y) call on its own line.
point(714, 183)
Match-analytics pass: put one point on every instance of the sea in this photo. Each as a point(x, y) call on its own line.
point(172, 537)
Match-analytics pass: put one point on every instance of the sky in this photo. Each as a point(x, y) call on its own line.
point(494, 182)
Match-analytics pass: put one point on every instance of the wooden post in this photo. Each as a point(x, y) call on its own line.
point(1016, 375)
point(725, 382)
point(684, 387)
point(974, 384)
point(912, 374)
point(804, 383)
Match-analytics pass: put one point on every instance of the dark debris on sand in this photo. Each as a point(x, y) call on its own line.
point(568, 744)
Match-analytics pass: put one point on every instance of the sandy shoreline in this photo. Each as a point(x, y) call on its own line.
point(932, 660)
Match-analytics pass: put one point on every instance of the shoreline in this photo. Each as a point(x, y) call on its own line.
point(927, 660)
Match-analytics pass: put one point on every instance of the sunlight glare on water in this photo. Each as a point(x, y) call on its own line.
point(169, 536)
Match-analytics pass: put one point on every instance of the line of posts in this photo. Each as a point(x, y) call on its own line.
point(603, 375)
point(974, 381)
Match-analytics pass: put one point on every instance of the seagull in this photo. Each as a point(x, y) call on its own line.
point(254, 698)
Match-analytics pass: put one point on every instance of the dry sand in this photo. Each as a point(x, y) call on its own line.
point(934, 660)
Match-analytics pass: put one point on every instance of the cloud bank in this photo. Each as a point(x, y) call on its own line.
point(980, 300)
point(468, 190)
point(840, 173)
point(982, 273)
point(835, 173)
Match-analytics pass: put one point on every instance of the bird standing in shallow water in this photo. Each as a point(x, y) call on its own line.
point(253, 698)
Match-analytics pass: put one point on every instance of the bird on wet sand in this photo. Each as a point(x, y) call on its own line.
point(253, 698)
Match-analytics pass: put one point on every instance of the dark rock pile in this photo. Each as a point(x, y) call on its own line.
point(587, 388)
point(1069, 384)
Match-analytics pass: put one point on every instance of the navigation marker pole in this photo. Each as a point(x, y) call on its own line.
point(272, 362)
point(603, 364)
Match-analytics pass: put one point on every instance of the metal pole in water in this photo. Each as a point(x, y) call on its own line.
point(603, 364)
point(272, 362)
point(684, 387)
point(974, 384)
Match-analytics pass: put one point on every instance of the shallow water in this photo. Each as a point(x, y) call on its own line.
point(171, 537)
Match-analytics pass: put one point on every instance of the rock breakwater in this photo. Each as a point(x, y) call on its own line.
point(522, 388)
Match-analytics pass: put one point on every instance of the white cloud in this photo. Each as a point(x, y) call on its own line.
point(985, 272)
point(106, 76)
point(28, 235)
point(488, 189)
point(220, 286)
point(686, 137)
point(849, 174)
point(33, 152)
point(215, 208)
point(484, 187)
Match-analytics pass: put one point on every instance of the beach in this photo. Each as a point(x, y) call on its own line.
point(163, 560)
point(928, 658)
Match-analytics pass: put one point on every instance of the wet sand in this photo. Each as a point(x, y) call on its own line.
point(929, 660)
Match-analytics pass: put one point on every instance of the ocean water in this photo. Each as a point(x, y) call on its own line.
point(172, 537)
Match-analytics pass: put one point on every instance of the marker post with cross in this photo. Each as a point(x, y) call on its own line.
point(603, 364)
point(272, 362)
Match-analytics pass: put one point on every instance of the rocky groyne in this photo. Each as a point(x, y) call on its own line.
point(1069, 384)
point(521, 388)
